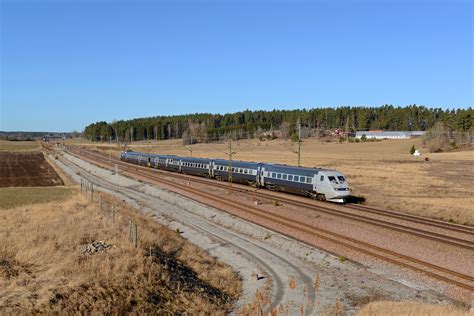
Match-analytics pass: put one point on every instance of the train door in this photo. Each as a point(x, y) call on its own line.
point(261, 176)
point(211, 169)
point(315, 182)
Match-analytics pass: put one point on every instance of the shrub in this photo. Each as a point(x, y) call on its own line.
point(412, 150)
point(363, 138)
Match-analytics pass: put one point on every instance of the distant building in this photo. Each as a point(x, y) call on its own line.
point(379, 134)
point(48, 138)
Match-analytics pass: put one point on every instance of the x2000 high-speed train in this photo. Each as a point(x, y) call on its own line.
point(318, 183)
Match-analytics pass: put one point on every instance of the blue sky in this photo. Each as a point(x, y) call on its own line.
point(65, 64)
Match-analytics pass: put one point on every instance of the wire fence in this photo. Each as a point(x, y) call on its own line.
point(111, 211)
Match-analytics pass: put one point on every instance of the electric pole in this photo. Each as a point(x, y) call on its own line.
point(299, 143)
point(347, 129)
point(190, 147)
point(230, 165)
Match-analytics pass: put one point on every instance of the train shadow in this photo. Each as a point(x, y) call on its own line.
point(355, 199)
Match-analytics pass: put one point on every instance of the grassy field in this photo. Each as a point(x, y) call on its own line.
point(383, 172)
point(17, 196)
point(19, 145)
point(43, 268)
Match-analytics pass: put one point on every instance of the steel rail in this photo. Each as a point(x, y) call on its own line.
point(417, 219)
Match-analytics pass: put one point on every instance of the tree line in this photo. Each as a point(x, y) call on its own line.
point(205, 127)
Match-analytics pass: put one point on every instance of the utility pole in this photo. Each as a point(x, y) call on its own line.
point(299, 143)
point(110, 149)
point(190, 149)
point(230, 165)
point(131, 134)
point(347, 128)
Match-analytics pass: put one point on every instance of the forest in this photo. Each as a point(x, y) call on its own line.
point(206, 127)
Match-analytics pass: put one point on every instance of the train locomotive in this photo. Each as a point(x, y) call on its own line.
point(317, 183)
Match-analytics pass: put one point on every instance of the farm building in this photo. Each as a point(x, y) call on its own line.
point(388, 134)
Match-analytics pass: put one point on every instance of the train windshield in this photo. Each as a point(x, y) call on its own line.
point(332, 179)
point(341, 179)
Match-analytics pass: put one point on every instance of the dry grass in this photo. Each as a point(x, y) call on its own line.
point(17, 196)
point(43, 270)
point(381, 171)
point(6, 145)
point(410, 309)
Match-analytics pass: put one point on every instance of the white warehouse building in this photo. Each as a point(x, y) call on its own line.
point(389, 134)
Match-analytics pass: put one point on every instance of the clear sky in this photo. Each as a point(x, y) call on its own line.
point(65, 64)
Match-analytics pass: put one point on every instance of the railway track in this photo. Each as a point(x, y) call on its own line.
point(434, 236)
point(440, 273)
point(416, 219)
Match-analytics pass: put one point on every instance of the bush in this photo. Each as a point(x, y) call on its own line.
point(412, 150)
point(363, 138)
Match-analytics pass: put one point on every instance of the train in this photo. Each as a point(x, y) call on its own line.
point(317, 183)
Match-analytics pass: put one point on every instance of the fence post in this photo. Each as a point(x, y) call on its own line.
point(92, 191)
point(86, 184)
point(130, 230)
point(113, 214)
point(81, 184)
point(101, 203)
point(135, 239)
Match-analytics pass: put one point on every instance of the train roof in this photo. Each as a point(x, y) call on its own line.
point(237, 163)
point(207, 160)
point(291, 169)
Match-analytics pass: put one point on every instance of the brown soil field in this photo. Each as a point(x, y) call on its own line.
point(382, 172)
point(26, 169)
point(44, 268)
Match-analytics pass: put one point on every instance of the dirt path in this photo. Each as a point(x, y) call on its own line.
point(264, 259)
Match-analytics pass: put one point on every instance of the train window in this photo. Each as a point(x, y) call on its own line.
point(279, 176)
point(284, 176)
point(302, 179)
point(322, 178)
point(290, 177)
point(273, 175)
point(308, 180)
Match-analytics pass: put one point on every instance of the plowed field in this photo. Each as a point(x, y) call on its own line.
point(26, 169)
